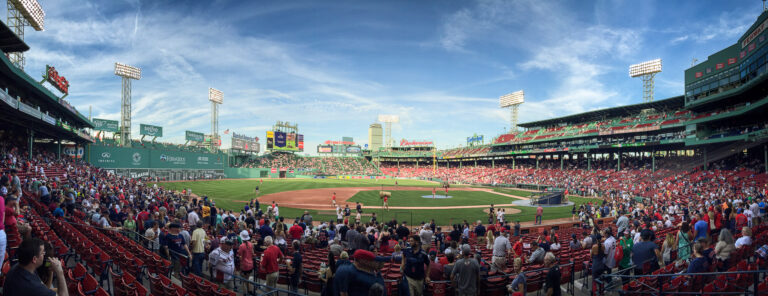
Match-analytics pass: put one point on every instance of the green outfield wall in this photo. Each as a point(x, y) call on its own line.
point(141, 158)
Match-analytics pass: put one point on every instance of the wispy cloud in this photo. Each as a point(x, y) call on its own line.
point(577, 55)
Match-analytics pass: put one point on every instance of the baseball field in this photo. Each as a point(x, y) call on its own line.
point(412, 200)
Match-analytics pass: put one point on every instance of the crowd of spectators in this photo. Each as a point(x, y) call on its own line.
point(711, 215)
point(325, 165)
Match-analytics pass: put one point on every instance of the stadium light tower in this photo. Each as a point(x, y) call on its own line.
point(388, 120)
point(646, 70)
point(216, 97)
point(513, 102)
point(22, 13)
point(127, 73)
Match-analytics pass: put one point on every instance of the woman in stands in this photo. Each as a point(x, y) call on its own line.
point(684, 242)
point(745, 239)
point(666, 248)
point(724, 247)
point(598, 260)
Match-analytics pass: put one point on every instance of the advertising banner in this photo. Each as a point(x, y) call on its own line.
point(106, 125)
point(274, 170)
point(150, 130)
point(119, 157)
point(324, 149)
point(353, 149)
point(300, 142)
point(73, 151)
point(280, 139)
point(194, 136)
point(270, 140)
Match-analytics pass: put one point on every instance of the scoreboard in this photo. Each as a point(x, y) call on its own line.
point(281, 141)
point(245, 143)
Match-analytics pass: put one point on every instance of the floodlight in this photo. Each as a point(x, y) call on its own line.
point(32, 12)
point(127, 71)
point(515, 98)
point(644, 68)
point(215, 95)
point(217, 98)
point(389, 118)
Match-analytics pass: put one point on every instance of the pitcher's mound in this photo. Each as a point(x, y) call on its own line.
point(436, 196)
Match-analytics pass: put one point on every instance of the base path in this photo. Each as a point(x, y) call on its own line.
point(320, 198)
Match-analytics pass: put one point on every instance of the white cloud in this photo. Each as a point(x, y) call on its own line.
point(577, 55)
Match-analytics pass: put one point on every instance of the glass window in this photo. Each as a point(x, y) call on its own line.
point(760, 61)
point(697, 91)
point(724, 81)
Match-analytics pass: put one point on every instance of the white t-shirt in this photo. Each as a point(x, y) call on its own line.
point(192, 218)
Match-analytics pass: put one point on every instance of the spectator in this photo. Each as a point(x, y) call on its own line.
point(537, 254)
point(466, 273)
point(645, 253)
point(412, 266)
point(198, 249)
point(245, 253)
point(699, 262)
point(356, 279)
point(518, 284)
point(626, 243)
point(666, 248)
point(700, 229)
point(269, 262)
point(22, 279)
point(745, 239)
point(176, 247)
point(598, 261)
point(435, 268)
point(3, 236)
point(574, 244)
point(724, 247)
point(327, 273)
point(552, 283)
point(501, 248)
point(539, 213)
point(622, 223)
point(425, 234)
point(222, 260)
point(684, 242)
point(295, 231)
point(295, 267)
point(152, 235)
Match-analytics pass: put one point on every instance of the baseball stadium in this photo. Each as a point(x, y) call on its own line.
point(663, 197)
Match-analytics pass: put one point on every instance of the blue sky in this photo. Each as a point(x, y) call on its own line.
point(333, 66)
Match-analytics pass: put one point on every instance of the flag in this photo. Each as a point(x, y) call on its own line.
point(226, 132)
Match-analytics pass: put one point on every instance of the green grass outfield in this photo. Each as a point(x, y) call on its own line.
point(226, 193)
point(408, 198)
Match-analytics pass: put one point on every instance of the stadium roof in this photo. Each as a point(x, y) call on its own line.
point(9, 42)
point(666, 104)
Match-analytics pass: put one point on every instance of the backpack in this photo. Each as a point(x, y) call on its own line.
point(618, 255)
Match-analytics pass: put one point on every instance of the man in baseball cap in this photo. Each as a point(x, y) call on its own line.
point(357, 278)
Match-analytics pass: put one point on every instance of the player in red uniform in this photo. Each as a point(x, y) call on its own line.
point(386, 204)
point(333, 199)
point(434, 191)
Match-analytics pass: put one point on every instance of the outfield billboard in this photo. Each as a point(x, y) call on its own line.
point(195, 136)
point(270, 140)
point(120, 157)
point(106, 125)
point(280, 141)
point(151, 130)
